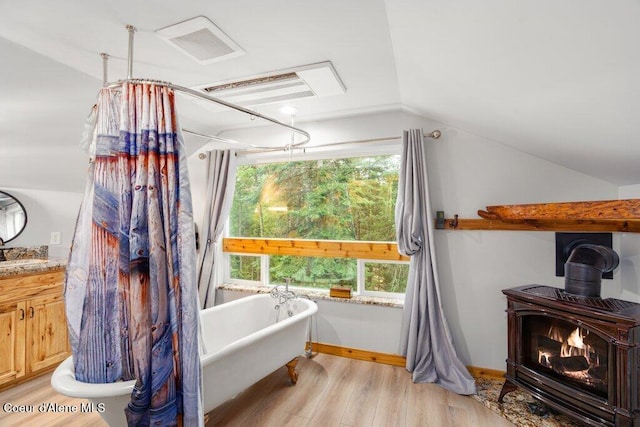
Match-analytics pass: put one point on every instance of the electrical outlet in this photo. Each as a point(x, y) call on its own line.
point(55, 238)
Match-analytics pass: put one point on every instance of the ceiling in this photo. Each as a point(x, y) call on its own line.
point(555, 79)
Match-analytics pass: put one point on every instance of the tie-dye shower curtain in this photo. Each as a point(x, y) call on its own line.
point(131, 290)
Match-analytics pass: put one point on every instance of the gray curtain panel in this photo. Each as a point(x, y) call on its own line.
point(221, 182)
point(425, 337)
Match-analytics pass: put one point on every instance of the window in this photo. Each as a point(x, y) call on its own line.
point(245, 268)
point(344, 199)
point(313, 272)
point(385, 277)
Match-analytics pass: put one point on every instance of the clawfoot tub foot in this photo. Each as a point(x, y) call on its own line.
point(291, 367)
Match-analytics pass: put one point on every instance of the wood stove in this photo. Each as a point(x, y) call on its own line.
point(577, 354)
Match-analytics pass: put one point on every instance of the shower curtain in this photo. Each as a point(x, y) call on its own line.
point(425, 338)
point(131, 292)
point(221, 182)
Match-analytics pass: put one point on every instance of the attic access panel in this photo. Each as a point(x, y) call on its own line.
point(566, 242)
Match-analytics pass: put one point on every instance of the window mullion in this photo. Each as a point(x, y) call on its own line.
point(264, 269)
point(360, 277)
point(227, 267)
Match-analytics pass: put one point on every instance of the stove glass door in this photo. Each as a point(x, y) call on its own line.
point(566, 351)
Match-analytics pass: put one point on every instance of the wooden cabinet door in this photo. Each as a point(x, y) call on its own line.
point(12, 341)
point(47, 336)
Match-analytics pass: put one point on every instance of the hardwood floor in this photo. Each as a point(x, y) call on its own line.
point(336, 391)
point(331, 391)
point(36, 392)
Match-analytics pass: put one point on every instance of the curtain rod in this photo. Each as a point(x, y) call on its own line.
point(197, 94)
point(434, 134)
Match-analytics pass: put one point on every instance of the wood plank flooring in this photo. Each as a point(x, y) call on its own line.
point(36, 392)
point(340, 392)
point(331, 391)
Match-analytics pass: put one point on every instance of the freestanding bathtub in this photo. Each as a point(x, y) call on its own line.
point(243, 341)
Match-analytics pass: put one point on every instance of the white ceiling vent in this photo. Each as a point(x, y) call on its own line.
point(201, 39)
point(315, 80)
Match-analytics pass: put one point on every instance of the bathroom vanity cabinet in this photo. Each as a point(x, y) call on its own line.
point(33, 328)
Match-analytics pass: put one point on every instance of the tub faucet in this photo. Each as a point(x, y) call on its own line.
point(283, 296)
point(287, 293)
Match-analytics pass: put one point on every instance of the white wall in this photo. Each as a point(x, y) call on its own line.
point(467, 173)
point(361, 326)
point(629, 253)
point(47, 211)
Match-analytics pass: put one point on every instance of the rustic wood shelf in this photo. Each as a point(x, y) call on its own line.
point(628, 209)
point(594, 216)
point(630, 226)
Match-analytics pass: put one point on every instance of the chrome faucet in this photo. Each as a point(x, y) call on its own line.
point(283, 296)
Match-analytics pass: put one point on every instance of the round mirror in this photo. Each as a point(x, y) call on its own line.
point(13, 218)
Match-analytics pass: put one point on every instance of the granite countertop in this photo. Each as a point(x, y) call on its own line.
point(20, 261)
point(29, 266)
point(315, 294)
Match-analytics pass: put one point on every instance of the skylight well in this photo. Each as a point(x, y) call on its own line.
point(314, 80)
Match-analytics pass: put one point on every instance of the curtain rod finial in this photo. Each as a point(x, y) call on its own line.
point(436, 134)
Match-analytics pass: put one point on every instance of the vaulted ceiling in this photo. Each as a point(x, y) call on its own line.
point(555, 79)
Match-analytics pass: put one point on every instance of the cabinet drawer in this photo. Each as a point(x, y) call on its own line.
point(21, 288)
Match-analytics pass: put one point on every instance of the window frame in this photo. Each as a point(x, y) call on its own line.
point(361, 279)
point(264, 268)
point(265, 280)
point(378, 148)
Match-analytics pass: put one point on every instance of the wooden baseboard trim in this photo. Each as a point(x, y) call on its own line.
point(493, 374)
point(354, 353)
point(392, 359)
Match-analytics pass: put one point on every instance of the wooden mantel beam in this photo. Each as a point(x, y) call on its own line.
point(602, 226)
point(591, 211)
point(592, 216)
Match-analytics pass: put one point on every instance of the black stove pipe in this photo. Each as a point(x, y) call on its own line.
point(584, 267)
